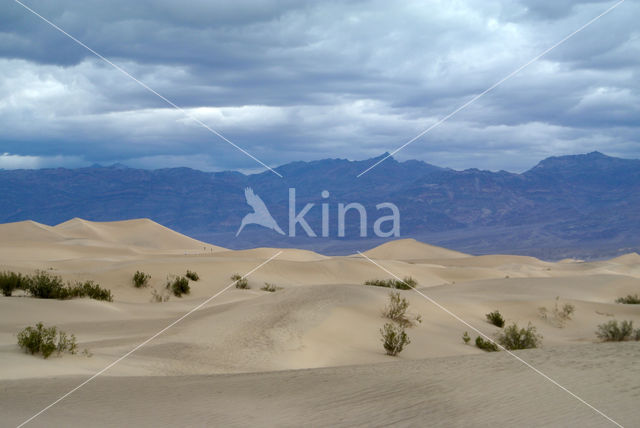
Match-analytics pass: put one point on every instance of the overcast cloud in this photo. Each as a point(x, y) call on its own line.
point(296, 80)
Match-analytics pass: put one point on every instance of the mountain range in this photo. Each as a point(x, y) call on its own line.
point(581, 206)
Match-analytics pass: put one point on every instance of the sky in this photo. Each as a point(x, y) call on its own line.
point(297, 80)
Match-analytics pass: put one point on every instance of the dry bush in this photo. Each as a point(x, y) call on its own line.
point(396, 311)
point(557, 317)
point(241, 282)
point(406, 284)
point(394, 338)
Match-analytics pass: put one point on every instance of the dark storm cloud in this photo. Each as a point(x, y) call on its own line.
point(305, 80)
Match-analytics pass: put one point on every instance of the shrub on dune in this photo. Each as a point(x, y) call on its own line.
point(557, 316)
point(495, 318)
point(193, 276)
point(629, 300)
point(91, 290)
point(613, 331)
point(486, 345)
point(43, 285)
point(394, 338)
point(396, 311)
point(271, 288)
point(179, 286)
point(10, 281)
point(406, 284)
point(140, 279)
point(160, 296)
point(46, 341)
point(241, 282)
point(513, 337)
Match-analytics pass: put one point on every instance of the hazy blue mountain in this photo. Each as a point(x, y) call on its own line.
point(583, 205)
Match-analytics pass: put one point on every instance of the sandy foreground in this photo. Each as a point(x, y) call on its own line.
point(310, 353)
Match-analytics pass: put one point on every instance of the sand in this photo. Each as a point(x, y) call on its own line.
point(310, 353)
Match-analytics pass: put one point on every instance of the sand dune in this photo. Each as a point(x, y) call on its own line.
point(479, 390)
point(28, 231)
point(410, 249)
point(322, 316)
point(139, 233)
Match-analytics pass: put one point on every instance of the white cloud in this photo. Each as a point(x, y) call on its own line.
point(293, 81)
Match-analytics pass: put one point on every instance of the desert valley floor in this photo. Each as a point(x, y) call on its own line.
point(309, 354)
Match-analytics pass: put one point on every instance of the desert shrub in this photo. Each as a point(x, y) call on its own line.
point(394, 338)
point(396, 311)
point(193, 276)
point(43, 285)
point(10, 281)
point(91, 290)
point(629, 300)
point(466, 338)
point(160, 297)
point(271, 288)
point(495, 318)
point(241, 282)
point(513, 338)
point(486, 345)
point(406, 284)
point(140, 279)
point(179, 286)
point(613, 332)
point(40, 339)
point(557, 316)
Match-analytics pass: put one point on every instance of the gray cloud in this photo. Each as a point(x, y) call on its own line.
point(307, 80)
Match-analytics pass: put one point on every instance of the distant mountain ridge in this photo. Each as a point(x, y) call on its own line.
point(584, 206)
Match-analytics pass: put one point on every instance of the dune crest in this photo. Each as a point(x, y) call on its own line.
point(137, 232)
point(410, 249)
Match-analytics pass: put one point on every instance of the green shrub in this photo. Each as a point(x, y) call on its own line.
point(613, 332)
point(394, 338)
point(495, 318)
point(43, 285)
point(629, 300)
point(193, 276)
point(46, 341)
point(241, 282)
point(466, 338)
point(513, 338)
point(396, 311)
point(140, 279)
point(179, 286)
point(406, 284)
point(271, 288)
point(10, 281)
point(486, 345)
point(91, 290)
